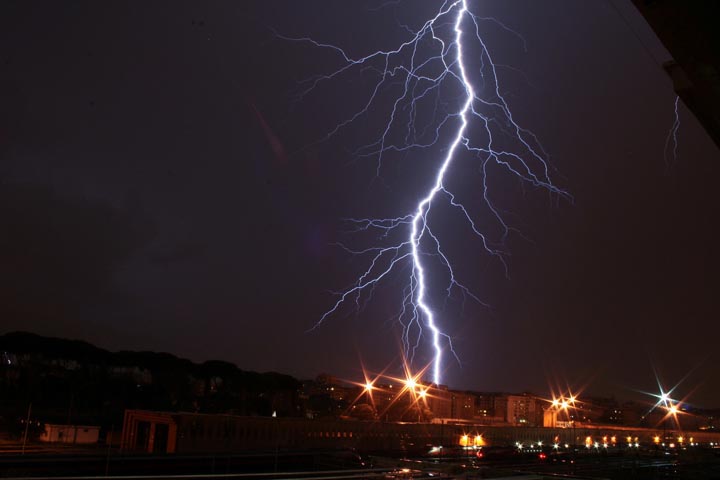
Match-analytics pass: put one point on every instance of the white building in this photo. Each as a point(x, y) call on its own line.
point(78, 434)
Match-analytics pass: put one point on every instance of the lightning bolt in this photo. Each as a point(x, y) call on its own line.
point(430, 67)
point(673, 137)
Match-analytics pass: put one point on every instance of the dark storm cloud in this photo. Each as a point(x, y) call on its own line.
point(178, 253)
point(181, 116)
point(59, 255)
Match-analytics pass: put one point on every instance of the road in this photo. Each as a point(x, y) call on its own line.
point(45, 462)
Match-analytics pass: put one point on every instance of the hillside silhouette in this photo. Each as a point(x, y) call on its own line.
point(72, 381)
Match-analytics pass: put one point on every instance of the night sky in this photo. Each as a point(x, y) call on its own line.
point(157, 192)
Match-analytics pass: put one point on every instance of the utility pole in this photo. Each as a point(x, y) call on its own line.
point(109, 443)
point(27, 424)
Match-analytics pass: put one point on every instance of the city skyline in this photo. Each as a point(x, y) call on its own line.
point(19, 348)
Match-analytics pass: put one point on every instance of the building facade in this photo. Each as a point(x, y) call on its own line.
point(168, 432)
point(71, 434)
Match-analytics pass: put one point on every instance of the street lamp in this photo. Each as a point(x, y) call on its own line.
point(564, 404)
point(416, 392)
point(368, 388)
point(410, 383)
point(673, 410)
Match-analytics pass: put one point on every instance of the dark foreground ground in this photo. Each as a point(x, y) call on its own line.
point(40, 461)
